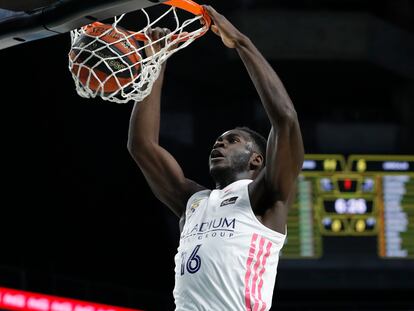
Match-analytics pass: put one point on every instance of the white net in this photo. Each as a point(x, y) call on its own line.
point(108, 61)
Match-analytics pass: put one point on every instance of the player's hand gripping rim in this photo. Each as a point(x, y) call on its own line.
point(230, 35)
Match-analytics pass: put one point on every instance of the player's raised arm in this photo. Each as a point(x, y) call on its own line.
point(161, 170)
point(284, 155)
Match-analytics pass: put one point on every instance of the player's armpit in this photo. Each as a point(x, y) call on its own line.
point(165, 176)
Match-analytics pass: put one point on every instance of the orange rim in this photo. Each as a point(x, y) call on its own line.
point(187, 5)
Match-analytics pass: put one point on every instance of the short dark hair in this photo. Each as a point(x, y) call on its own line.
point(258, 139)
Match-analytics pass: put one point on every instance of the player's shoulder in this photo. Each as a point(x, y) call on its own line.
point(199, 195)
point(192, 189)
point(194, 203)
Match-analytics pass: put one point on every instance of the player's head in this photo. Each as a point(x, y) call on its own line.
point(240, 151)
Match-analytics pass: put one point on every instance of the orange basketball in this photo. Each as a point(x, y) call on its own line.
point(104, 56)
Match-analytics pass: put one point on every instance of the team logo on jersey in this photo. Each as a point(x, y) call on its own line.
point(195, 204)
point(231, 200)
point(193, 207)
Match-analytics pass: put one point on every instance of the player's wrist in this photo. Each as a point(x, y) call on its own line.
point(242, 41)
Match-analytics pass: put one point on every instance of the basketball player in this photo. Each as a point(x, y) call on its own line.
point(230, 236)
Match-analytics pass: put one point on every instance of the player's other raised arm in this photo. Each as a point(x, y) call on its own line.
point(162, 172)
point(285, 153)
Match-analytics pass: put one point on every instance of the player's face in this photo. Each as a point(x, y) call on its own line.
point(232, 150)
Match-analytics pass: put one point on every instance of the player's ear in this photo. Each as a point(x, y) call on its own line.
point(256, 161)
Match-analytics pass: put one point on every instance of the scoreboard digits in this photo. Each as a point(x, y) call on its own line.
point(368, 195)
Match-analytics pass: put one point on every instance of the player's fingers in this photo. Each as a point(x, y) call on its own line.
point(160, 37)
point(210, 9)
point(215, 29)
point(166, 34)
point(148, 34)
point(215, 16)
point(157, 33)
point(152, 34)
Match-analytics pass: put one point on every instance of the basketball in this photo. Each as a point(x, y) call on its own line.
point(104, 58)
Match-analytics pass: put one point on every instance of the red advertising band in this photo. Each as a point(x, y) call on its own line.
point(17, 300)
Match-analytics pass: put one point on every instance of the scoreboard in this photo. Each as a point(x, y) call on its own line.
point(358, 197)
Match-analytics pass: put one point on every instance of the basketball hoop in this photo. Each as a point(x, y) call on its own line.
point(108, 61)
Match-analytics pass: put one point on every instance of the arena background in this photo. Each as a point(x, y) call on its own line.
point(77, 218)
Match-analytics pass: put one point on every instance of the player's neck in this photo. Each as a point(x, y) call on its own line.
point(223, 180)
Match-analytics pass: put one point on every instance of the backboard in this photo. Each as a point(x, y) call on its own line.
point(23, 21)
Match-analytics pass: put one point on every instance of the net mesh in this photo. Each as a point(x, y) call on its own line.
point(118, 70)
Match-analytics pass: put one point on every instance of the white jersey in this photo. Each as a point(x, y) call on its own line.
point(226, 259)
